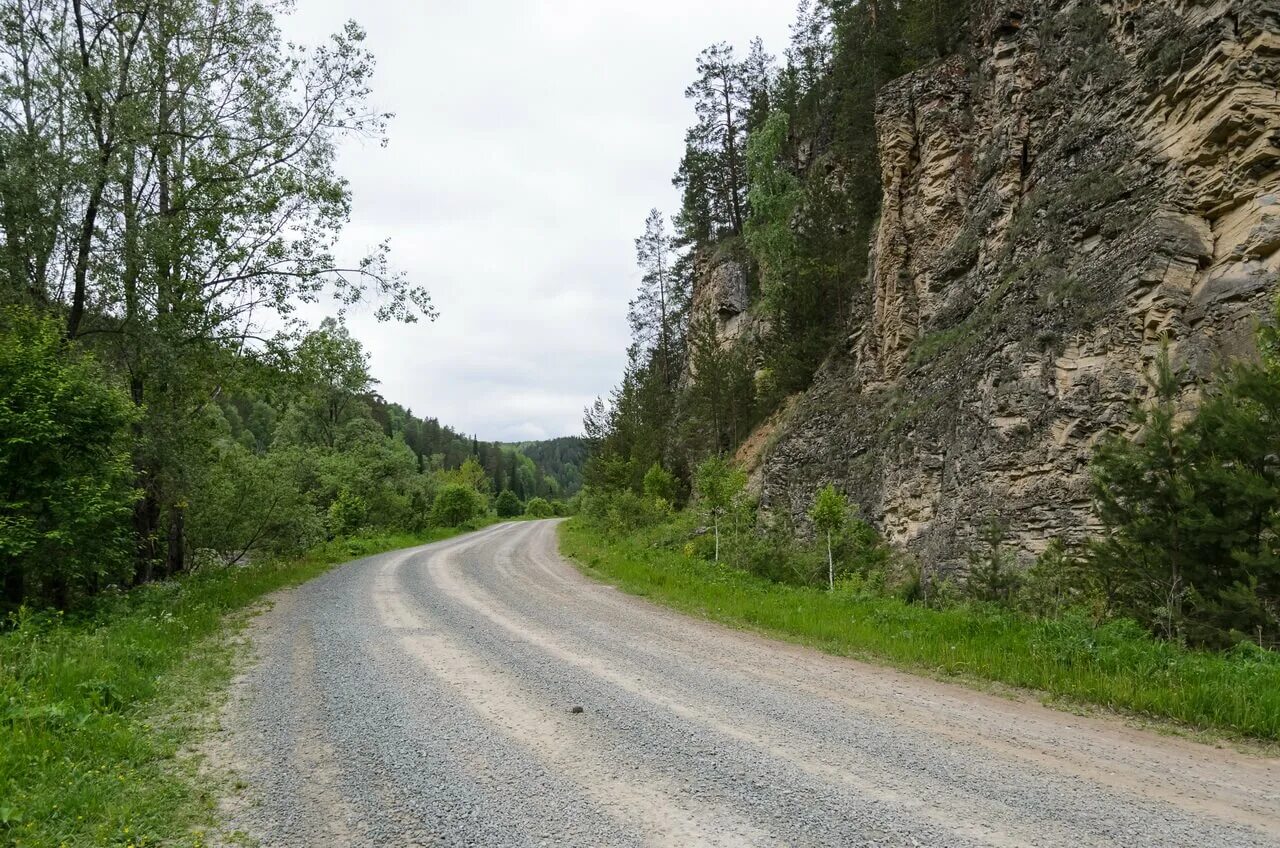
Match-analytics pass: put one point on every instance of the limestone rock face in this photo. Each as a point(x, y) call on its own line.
point(721, 291)
point(1096, 178)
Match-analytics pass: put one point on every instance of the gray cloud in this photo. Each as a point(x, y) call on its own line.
point(530, 140)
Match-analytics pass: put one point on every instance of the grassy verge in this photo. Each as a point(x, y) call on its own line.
point(95, 710)
point(1115, 666)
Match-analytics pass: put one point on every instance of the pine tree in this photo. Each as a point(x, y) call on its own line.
point(1146, 502)
point(758, 75)
point(991, 576)
point(720, 402)
point(721, 100)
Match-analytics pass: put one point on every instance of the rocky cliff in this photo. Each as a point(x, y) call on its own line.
point(1091, 178)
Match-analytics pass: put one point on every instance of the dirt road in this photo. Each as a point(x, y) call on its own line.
point(425, 697)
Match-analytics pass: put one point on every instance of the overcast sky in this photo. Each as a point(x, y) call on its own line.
point(530, 140)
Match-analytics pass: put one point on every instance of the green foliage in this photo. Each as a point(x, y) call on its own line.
point(507, 504)
point(560, 460)
point(860, 551)
point(830, 510)
point(720, 406)
point(1116, 665)
point(992, 576)
point(347, 513)
point(66, 493)
point(796, 235)
point(719, 487)
point(539, 508)
point(333, 374)
point(660, 484)
point(931, 345)
point(252, 502)
point(621, 511)
point(1191, 513)
point(776, 193)
point(225, 427)
point(456, 504)
point(1056, 582)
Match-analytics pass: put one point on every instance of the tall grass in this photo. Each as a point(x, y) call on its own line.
point(1115, 665)
point(95, 709)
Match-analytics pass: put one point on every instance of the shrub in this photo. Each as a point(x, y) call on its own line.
point(1056, 582)
point(64, 514)
point(456, 504)
point(659, 483)
point(347, 514)
point(538, 508)
point(861, 551)
point(776, 556)
point(507, 504)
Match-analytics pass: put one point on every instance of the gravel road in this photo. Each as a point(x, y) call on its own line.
point(425, 697)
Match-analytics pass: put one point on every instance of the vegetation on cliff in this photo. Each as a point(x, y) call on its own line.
point(780, 178)
point(780, 196)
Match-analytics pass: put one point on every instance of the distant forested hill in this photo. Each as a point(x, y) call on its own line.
point(560, 459)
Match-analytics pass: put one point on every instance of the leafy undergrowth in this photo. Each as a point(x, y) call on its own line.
point(1115, 665)
point(95, 709)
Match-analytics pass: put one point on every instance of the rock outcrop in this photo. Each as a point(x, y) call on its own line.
point(1095, 179)
point(722, 293)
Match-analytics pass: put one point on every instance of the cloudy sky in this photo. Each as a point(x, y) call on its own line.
point(531, 138)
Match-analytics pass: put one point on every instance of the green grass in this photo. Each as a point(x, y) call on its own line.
point(96, 710)
point(1115, 666)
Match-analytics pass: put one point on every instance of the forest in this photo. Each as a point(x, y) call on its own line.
point(780, 171)
point(168, 201)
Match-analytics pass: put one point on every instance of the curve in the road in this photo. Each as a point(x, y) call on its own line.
point(423, 697)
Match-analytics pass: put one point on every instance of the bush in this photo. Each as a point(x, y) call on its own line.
point(777, 557)
point(347, 514)
point(659, 484)
point(861, 551)
point(507, 505)
point(284, 520)
point(64, 513)
point(1057, 582)
point(456, 504)
point(538, 508)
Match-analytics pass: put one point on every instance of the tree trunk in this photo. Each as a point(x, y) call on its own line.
point(731, 155)
point(60, 592)
point(175, 562)
point(146, 515)
point(14, 585)
point(716, 524)
point(80, 275)
point(831, 566)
